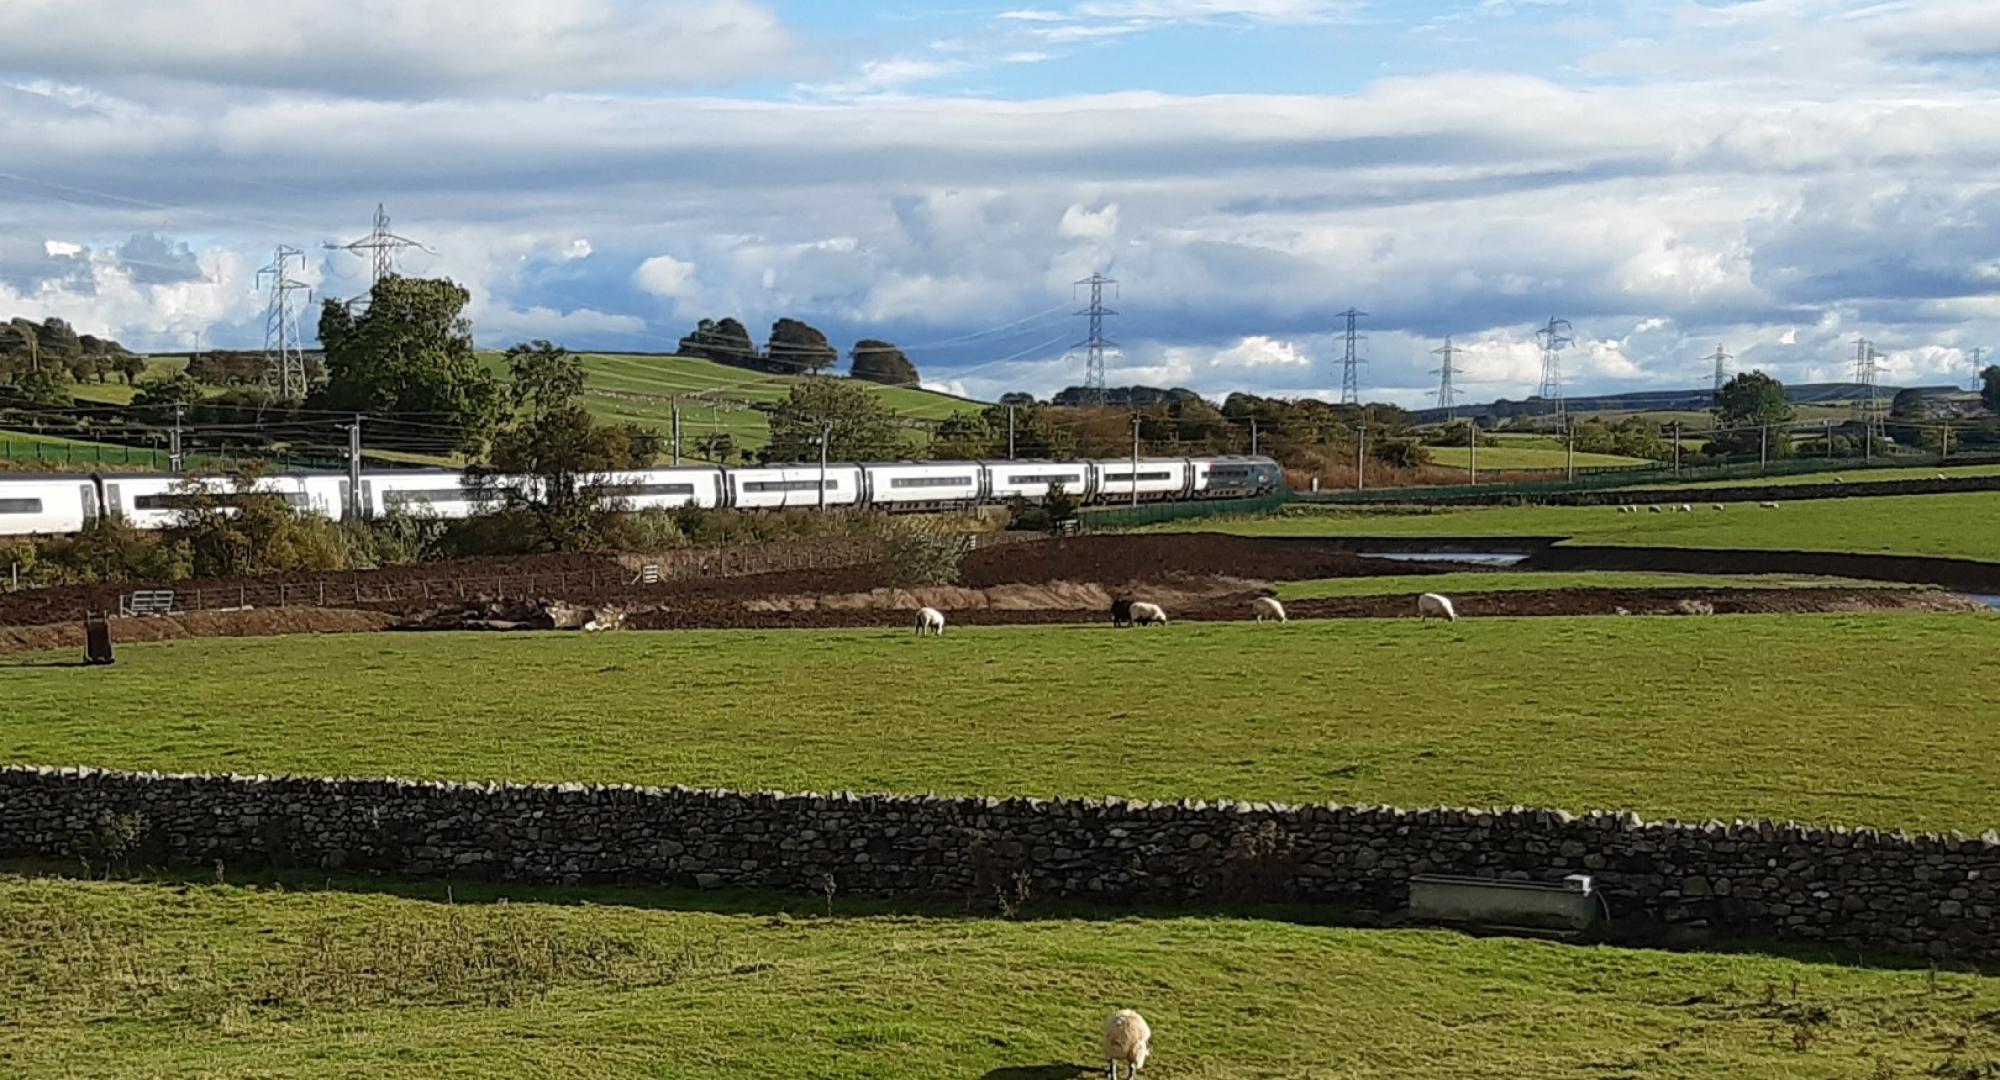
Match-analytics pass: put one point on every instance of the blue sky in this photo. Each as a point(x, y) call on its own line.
point(1778, 176)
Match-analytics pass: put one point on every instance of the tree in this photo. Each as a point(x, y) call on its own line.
point(861, 429)
point(157, 398)
point(57, 342)
point(551, 463)
point(967, 436)
point(1989, 392)
point(409, 353)
point(795, 346)
point(725, 341)
point(129, 366)
point(47, 386)
point(881, 362)
point(718, 446)
point(1753, 398)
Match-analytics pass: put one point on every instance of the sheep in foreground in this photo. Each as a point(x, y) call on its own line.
point(1267, 607)
point(1121, 611)
point(1127, 1041)
point(1687, 508)
point(930, 621)
point(1145, 614)
point(1430, 604)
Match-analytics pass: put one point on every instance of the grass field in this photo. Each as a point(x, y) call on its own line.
point(1523, 458)
point(113, 980)
point(1964, 525)
point(115, 392)
point(1850, 475)
point(1515, 580)
point(1724, 717)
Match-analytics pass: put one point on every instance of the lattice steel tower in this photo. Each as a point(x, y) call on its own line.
point(1868, 402)
point(1096, 343)
point(283, 353)
point(1553, 337)
point(1351, 361)
point(1721, 360)
point(380, 247)
point(1446, 396)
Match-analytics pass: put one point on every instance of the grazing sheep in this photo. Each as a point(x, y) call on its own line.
point(1267, 607)
point(1838, 480)
point(1127, 1041)
point(1144, 614)
point(1431, 603)
point(1652, 508)
point(1718, 506)
point(1941, 476)
point(930, 621)
point(1768, 505)
point(1121, 611)
point(1687, 508)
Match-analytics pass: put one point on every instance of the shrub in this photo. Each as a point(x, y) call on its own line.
point(922, 550)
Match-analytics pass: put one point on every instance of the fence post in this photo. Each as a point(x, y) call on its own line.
point(240, 597)
point(322, 594)
point(284, 595)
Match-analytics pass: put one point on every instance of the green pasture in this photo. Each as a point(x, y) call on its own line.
point(1523, 580)
point(1860, 719)
point(1965, 525)
point(111, 980)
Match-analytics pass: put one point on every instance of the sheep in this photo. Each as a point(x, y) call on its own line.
point(1687, 508)
point(1768, 505)
point(930, 621)
point(1267, 607)
point(1127, 1041)
point(1941, 476)
point(1652, 508)
point(1121, 611)
point(1144, 614)
point(1431, 603)
point(1837, 479)
point(1718, 506)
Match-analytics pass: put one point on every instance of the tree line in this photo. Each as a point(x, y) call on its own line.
point(795, 348)
point(40, 361)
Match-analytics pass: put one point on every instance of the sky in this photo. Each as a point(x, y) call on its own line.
point(1775, 177)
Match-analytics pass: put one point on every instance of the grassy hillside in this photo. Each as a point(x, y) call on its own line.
point(624, 388)
point(118, 393)
point(1722, 717)
point(1518, 580)
point(171, 979)
point(1525, 458)
point(1850, 475)
point(29, 452)
point(1962, 525)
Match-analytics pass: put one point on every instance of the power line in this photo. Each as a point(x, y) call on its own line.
point(1351, 361)
point(1446, 396)
point(1553, 337)
point(1093, 372)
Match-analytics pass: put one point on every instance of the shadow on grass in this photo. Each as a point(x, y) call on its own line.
point(1040, 1072)
point(1632, 934)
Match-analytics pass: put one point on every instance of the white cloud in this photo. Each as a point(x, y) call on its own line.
point(664, 275)
point(392, 47)
point(1097, 226)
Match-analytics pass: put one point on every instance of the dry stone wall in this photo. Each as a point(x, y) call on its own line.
point(1927, 895)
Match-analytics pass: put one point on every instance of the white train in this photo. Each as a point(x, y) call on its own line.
point(35, 505)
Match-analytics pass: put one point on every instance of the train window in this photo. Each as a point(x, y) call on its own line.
point(1046, 478)
point(424, 498)
point(929, 481)
point(1229, 474)
point(653, 489)
point(174, 500)
point(1144, 476)
point(20, 506)
point(788, 485)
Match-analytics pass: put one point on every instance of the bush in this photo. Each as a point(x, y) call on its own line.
point(922, 550)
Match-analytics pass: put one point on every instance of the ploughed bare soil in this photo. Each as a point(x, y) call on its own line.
point(1196, 577)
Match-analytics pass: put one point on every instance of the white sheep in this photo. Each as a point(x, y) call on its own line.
point(1718, 506)
point(1431, 603)
point(1687, 508)
point(1127, 1041)
point(930, 621)
point(1768, 505)
point(1267, 607)
point(1941, 476)
point(1652, 508)
point(1144, 613)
